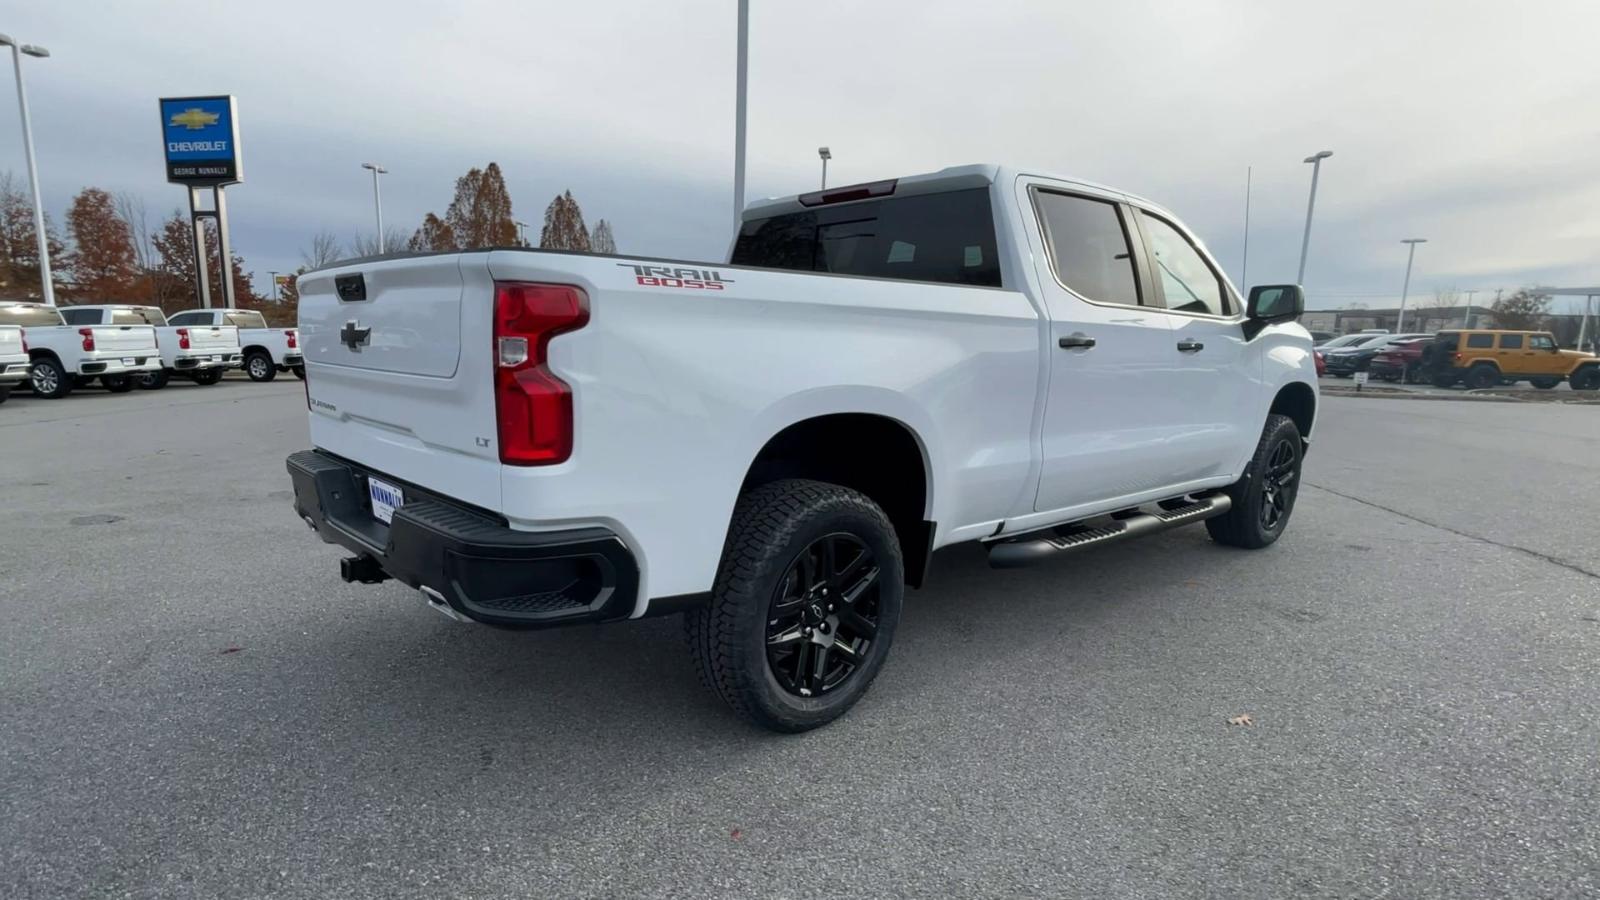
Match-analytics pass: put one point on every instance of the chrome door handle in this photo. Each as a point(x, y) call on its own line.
point(1076, 341)
point(1187, 346)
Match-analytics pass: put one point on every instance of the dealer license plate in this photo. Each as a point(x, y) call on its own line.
point(386, 498)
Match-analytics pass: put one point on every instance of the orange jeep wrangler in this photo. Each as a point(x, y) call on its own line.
point(1483, 358)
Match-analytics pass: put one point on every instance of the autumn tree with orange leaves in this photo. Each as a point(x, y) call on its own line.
point(102, 263)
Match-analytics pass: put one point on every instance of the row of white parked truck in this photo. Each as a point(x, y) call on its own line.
point(56, 349)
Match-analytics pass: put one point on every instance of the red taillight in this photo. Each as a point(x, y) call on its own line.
point(1456, 357)
point(183, 338)
point(293, 341)
point(88, 338)
point(532, 406)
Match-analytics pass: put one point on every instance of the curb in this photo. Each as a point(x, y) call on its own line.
point(1471, 398)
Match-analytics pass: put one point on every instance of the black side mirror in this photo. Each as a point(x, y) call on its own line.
point(1276, 302)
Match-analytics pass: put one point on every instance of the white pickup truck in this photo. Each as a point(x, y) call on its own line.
point(67, 356)
point(775, 445)
point(267, 351)
point(14, 366)
point(202, 353)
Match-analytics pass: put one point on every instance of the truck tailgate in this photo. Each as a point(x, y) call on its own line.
point(132, 338)
point(399, 370)
point(213, 337)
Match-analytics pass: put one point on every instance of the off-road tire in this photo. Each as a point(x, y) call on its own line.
point(1586, 379)
point(153, 381)
point(1481, 376)
point(1242, 525)
point(1544, 384)
point(773, 525)
point(48, 371)
point(259, 367)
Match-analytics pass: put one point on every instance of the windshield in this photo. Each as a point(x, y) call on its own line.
point(26, 314)
point(245, 319)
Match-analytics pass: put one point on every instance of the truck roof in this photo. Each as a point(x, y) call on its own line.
point(952, 178)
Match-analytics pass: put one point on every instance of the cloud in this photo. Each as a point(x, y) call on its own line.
point(1473, 124)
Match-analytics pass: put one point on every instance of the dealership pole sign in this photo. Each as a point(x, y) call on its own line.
point(201, 135)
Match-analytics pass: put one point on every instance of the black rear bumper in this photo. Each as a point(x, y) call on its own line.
point(470, 558)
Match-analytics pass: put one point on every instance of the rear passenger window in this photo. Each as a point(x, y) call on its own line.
point(81, 316)
point(1510, 342)
point(946, 238)
point(1480, 341)
point(1089, 248)
point(1188, 283)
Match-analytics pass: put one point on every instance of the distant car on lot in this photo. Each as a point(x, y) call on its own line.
point(267, 351)
point(201, 353)
point(14, 366)
point(1345, 340)
point(1346, 361)
point(1483, 358)
point(1319, 338)
point(1401, 360)
point(66, 356)
point(1322, 364)
point(1353, 357)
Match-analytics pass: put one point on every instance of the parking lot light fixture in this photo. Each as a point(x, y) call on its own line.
point(46, 287)
point(1400, 324)
point(377, 199)
point(1315, 160)
point(826, 155)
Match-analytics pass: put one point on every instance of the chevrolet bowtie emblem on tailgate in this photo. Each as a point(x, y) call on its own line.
point(352, 335)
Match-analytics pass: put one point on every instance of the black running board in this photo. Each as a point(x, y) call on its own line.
point(1027, 551)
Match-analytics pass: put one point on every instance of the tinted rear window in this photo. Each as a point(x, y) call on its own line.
point(1480, 341)
point(947, 238)
point(29, 315)
point(1510, 342)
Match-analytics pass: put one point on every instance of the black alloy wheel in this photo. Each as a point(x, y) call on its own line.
point(1278, 484)
point(823, 616)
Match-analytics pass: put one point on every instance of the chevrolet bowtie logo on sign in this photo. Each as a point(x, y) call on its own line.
point(195, 118)
point(201, 140)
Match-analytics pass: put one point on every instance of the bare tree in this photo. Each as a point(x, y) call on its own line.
point(394, 240)
point(1436, 309)
point(324, 251)
point(563, 225)
point(130, 209)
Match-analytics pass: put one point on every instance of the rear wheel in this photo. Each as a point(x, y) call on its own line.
point(5, 392)
point(804, 607)
point(49, 379)
point(117, 384)
point(154, 381)
point(1264, 498)
point(1482, 376)
point(207, 376)
point(1544, 384)
point(1586, 379)
point(300, 371)
point(259, 367)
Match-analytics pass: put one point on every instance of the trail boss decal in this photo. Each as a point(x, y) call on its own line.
point(664, 276)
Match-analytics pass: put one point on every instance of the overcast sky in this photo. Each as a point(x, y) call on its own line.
point(1473, 124)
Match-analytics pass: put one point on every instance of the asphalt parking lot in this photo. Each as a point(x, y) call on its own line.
point(194, 705)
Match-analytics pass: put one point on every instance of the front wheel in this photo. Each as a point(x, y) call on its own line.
point(1586, 379)
point(804, 607)
point(117, 384)
point(259, 367)
point(154, 381)
point(207, 376)
point(1264, 498)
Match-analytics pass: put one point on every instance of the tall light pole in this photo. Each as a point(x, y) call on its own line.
point(1466, 315)
point(740, 78)
point(46, 288)
point(274, 276)
point(823, 152)
point(1305, 242)
point(522, 232)
point(377, 199)
point(1400, 323)
point(1244, 265)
